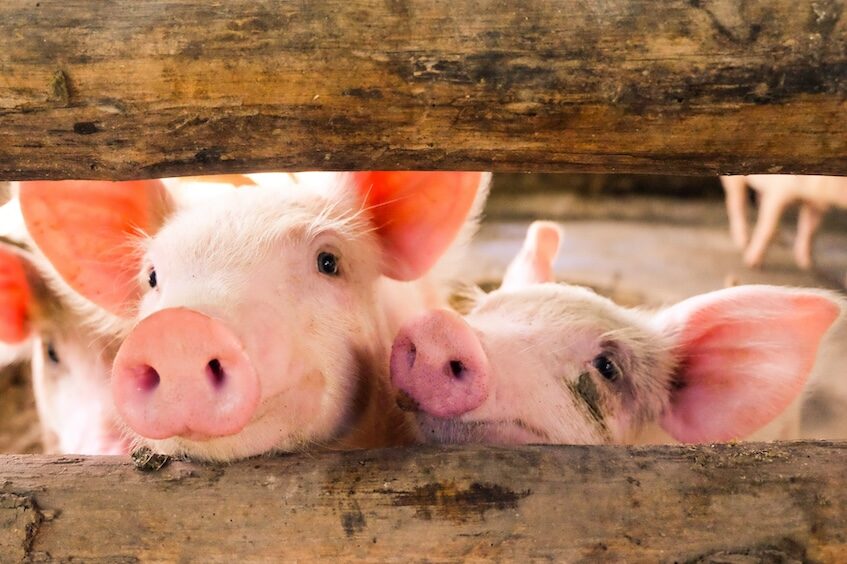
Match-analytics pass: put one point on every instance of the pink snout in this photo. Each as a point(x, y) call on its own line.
point(438, 361)
point(182, 373)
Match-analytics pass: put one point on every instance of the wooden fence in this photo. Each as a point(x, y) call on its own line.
point(127, 89)
point(733, 503)
point(130, 89)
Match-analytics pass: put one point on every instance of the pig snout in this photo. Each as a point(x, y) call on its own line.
point(182, 373)
point(439, 366)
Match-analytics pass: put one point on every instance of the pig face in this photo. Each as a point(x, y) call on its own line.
point(300, 301)
point(71, 366)
point(70, 362)
point(261, 319)
point(552, 363)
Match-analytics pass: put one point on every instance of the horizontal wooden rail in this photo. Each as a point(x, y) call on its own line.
point(127, 89)
point(781, 502)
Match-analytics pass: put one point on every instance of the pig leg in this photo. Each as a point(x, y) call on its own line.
point(735, 188)
point(807, 225)
point(772, 206)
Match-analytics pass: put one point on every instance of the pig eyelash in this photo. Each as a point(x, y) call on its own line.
point(354, 223)
point(351, 223)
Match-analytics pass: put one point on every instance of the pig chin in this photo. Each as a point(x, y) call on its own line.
point(501, 432)
point(107, 441)
point(276, 427)
point(260, 437)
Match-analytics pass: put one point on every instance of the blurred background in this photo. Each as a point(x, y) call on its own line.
point(641, 240)
point(646, 239)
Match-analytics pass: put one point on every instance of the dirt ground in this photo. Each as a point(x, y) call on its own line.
point(639, 250)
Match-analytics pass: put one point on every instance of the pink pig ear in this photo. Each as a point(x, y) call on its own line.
point(86, 229)
point(745, 354)
point(534, 263)
point(417, 214)
point(15, 298)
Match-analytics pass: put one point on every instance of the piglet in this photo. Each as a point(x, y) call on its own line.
point(551, 363)
point(261, 318)
point(816, 195)
point(71, 361)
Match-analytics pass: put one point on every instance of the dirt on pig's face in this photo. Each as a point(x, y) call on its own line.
point(566, 367)
point(294, 278)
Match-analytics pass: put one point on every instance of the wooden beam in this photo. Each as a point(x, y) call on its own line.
point(781, 502)
point(127, 89)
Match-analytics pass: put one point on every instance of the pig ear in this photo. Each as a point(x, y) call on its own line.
point(15, 298)
point(86, 229)
point(534, 263)
point(744, 355)
point(417, 214)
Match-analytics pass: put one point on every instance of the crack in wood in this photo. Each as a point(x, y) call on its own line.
point(20, 522)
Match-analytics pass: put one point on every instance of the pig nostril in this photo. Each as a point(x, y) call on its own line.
point(147, 378)
point(216, 372)
point(457, 368)
point(411, 355)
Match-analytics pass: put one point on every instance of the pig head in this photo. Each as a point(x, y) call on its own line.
point(259, 319)
point(552, 363)
point(71, 362)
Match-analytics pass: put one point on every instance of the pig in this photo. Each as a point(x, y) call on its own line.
point(539, 362)
point(816, 195)
point(261, 319)
point(70, 361)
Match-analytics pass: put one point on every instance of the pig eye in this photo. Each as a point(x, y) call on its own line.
point(327, 263)
point(51, 353)
point(607, 369)
point(151, 278)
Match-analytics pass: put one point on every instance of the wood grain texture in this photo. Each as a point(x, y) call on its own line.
point(127, 89)
point(734, 503)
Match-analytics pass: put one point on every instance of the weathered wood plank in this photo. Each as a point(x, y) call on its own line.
point(127, 89)
point(778, 502)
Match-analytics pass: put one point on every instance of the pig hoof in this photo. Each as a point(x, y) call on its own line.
point(148, 461)
point(406, 402)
